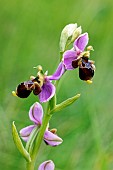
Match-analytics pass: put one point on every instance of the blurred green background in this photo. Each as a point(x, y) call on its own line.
point(29, 35)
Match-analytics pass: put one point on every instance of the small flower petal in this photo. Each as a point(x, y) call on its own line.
point(48, 91)
point(58, 73)
point(52, 139)
point(47, 165)
point(68, 57)
point(81, 42)
point(25, 132)
point(36, 113)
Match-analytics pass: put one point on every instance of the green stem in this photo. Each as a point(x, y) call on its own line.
point(39, 138)
point(40, 135)
point(30, 165)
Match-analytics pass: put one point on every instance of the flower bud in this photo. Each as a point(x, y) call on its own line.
point(76, 33)
point(66, 35)
point(47, 165)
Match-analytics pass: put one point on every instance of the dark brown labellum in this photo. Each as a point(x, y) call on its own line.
point(25, 88)
point(86, 70)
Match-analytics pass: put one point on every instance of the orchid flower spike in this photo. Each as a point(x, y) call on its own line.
point(47, 165)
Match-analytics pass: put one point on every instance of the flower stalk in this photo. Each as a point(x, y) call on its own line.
point(38, 141)
point(43, 87)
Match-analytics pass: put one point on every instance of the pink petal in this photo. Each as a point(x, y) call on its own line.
point(47, 165)
point(25, 132)
point(36, 113)
point(68, 57)
point(52, 139)
point(58, 73)
point(48, 91)
point(81, 42)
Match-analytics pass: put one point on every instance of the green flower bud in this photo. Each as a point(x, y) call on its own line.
point(76, 33)
point(66, 35)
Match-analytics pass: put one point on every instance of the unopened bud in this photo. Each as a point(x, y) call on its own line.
point(69, 29)
point(66, 35)
point(76, 33)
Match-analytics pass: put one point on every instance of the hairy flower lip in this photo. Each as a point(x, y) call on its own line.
point(24, 89)
point(86, 69)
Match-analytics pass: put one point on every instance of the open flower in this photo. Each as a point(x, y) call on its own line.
point(71, 57)
point(47, 165)
point(36, 115)
point(77, 57)
point(41, 85)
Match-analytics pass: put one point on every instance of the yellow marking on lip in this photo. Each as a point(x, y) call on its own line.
point(14, 93)
point(89, 81)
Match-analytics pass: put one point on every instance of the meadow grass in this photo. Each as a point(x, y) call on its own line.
point(29, 35)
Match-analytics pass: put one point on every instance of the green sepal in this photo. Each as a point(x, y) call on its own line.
point(19, 144)
point(64, 104)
